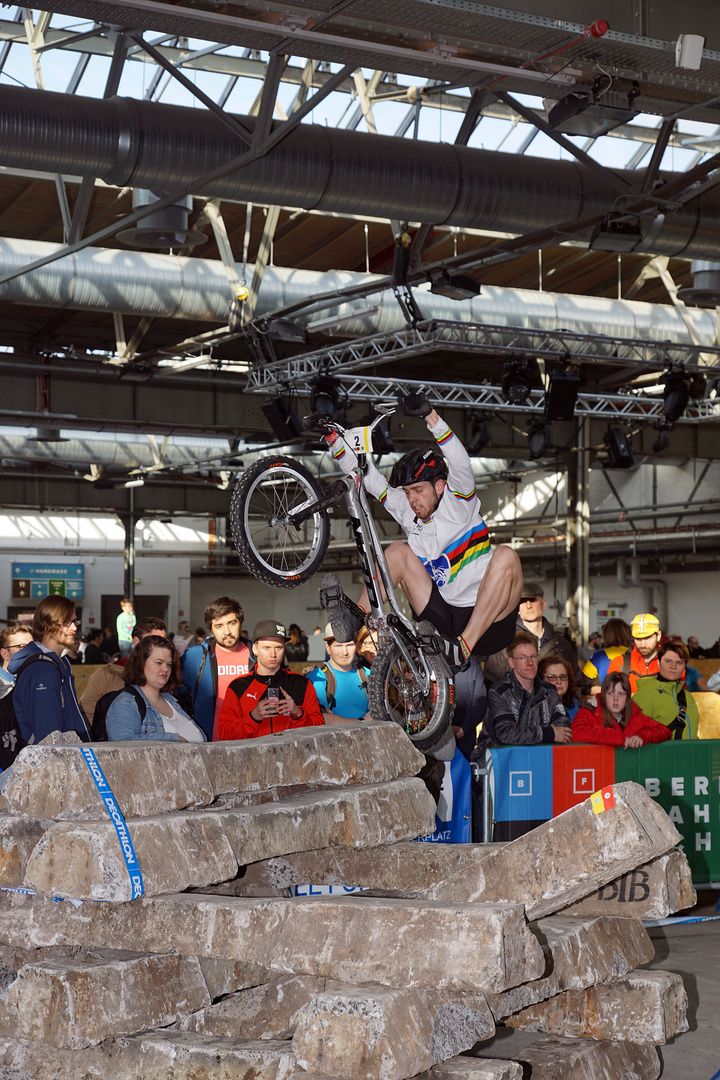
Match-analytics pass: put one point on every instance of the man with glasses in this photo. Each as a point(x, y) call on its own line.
point(522, 709)
point(12, 639)
point(44, 698)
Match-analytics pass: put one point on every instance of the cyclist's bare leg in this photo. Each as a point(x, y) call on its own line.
point(499, 593)
point(408, 572)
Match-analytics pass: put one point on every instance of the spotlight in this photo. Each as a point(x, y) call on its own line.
point(480, 436)
point(562, 395)
point(538, 439)
point(676, 395)
point(456, 286)
point(516, 382)
point(662, 442)
point(619, 451)
point(327, 396)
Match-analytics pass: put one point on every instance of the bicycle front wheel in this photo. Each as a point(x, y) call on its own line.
point(393, 694)
point(263, 500)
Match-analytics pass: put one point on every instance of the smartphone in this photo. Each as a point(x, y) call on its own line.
point(273, 693)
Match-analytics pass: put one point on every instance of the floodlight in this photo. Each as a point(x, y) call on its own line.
point(455, 286)
point(538, 440)
point(480, 435)
point(516, 382)
point(675, 395)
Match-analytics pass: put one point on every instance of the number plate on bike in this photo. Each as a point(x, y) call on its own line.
point(359, 439)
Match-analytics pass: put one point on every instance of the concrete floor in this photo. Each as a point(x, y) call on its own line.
point(693, 951)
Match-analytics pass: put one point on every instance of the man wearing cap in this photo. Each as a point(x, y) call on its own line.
point(646, 634)
point(594, 644)
point(532, 619)
point(271, 698)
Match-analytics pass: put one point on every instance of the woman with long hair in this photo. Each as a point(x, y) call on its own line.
point(558, 671)
point(617, 720)
point(145, 708)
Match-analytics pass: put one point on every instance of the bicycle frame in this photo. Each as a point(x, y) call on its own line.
point(371, 555)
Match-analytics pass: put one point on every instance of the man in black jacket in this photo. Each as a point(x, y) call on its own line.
point(522, 709)
point(531, 617)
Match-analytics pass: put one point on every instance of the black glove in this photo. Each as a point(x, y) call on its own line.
point(415, 405)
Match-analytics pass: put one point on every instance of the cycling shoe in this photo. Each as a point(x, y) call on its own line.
point(345, 617)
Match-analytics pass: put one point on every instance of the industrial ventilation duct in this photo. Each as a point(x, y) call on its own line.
point(165, 286)
point(166, 147)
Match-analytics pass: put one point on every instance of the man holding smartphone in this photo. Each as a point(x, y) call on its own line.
point(270, 698)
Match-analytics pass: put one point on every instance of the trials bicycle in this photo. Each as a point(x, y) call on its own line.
point(280, 523)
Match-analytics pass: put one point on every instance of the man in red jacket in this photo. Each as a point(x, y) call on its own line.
point(270, 698)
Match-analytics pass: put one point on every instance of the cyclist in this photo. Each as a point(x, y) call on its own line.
point(447, 569)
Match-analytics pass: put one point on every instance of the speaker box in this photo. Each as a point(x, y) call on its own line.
point(619, 451)
point(283, 420)
point(562, 395)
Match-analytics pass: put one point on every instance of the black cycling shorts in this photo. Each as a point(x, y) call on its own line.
point(451, 621)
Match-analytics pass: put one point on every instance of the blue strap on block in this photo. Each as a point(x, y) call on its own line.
point(126, 844)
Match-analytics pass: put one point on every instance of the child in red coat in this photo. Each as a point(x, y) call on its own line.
point(617, 720)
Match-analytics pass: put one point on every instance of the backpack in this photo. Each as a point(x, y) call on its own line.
point(331, 682)
point(11, 741)
point(99, 729)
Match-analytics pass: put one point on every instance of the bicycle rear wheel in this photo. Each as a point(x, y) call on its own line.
point(393, 694)
point(273, 549)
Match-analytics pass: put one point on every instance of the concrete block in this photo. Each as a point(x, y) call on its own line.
point(579, 952)
point(262, 1012)
point(18, 837)
point(228, 976)
point(569, 856)
point(74, 1004)
point(159, 1055)
point(578, 1059)
point(642, 1007)
point(468, 1068)
point(377, 1033)
point(146, 778)
point(317, 757)
point(51, 779)
point(462, 947)
point(652, 891)
point(403, 869)
point(83, 859)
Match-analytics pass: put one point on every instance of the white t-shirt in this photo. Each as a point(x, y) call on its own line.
point(182, 725)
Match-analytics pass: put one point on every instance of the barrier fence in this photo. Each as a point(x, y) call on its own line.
point(531, 784)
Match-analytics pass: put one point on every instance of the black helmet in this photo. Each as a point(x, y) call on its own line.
point(417, 466)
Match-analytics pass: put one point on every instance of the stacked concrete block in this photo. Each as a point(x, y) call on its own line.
point(408, 981)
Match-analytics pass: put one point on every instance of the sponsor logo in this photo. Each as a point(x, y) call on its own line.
point(439, 570)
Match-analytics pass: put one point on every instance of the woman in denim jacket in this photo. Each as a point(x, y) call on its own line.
point(150, 678)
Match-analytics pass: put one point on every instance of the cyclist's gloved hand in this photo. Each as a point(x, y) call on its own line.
point(415, 405)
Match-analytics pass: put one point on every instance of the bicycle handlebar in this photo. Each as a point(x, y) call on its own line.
point(318, 424)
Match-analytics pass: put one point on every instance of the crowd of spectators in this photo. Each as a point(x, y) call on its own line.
point(632, 688)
